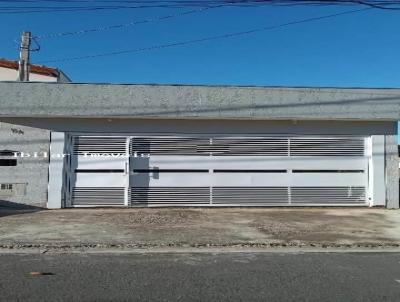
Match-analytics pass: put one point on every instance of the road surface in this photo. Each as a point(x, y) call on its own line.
point(201, 277)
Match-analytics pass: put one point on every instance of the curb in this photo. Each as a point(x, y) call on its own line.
point(201, 247)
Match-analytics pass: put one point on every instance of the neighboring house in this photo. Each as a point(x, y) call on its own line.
point(169, 145)
point(9, 72)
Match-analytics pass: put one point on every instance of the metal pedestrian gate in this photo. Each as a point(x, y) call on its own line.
point(205, 170)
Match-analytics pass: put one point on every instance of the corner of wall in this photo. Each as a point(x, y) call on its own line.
point(392, 171)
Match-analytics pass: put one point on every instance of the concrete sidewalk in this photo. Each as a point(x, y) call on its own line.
point(216, 227)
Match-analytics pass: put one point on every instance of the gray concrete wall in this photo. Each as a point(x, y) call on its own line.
point(30, 176)
point(166, 101)
point(392, 172)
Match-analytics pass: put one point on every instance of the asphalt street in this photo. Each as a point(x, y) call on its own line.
point(201, 277)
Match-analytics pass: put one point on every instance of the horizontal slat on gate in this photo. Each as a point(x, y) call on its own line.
point(256, 146)
point(248, 146)
point(100, 162)
point(327, 146)
point(251, 162)
point(169, 145)
point(267, 146)
point(328, 195)
point(235, 179)
point(92, 196)
point(170, 195)
point(327, 179)
point(250, 195)
point(100, 179)
point(99, 144)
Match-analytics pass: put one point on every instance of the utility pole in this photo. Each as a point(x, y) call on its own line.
point(23, 68)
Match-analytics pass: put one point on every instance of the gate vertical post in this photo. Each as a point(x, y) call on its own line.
point(377, 171)
point(127, 171)
point(391, 172)
point(56, 170)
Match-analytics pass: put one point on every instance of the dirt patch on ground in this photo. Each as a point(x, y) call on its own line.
point(202, 227)
point(325, 225)
point(156, 217)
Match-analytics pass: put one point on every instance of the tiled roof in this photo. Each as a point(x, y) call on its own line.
point(42, 70)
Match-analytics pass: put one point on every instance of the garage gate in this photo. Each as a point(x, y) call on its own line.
point(205, 170)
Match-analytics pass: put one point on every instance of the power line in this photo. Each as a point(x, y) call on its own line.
point(133, 23)
point(217, 37)
point(93, 5)
point(14, 10)
point(118, 26)
point(195, 2)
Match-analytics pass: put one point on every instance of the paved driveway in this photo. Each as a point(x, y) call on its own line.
point(177, 227)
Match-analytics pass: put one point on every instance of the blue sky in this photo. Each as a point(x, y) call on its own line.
point(357, 50)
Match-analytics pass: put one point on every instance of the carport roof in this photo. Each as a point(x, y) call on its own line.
point(19, 99)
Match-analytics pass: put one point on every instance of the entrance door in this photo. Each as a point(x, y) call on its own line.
point(170, 170)
point(100, 171)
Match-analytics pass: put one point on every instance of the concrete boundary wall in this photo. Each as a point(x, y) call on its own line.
point(30, 176)
point(392, 172)
point(169, 101)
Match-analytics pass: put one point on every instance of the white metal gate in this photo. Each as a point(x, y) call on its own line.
point(206, 170)
point(99, 168)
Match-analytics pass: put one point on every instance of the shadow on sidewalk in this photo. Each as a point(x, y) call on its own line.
point(8, 208)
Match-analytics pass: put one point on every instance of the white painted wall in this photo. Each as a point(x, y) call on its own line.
point(377, 187)
point(9, 74)
point(56, 169)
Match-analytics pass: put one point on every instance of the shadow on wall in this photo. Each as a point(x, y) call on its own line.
point(8, 208)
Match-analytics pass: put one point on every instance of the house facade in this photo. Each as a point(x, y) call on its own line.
point(84, 145)
point(37, 73)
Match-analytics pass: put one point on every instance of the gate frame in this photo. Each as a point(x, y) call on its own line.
point(373, 148)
